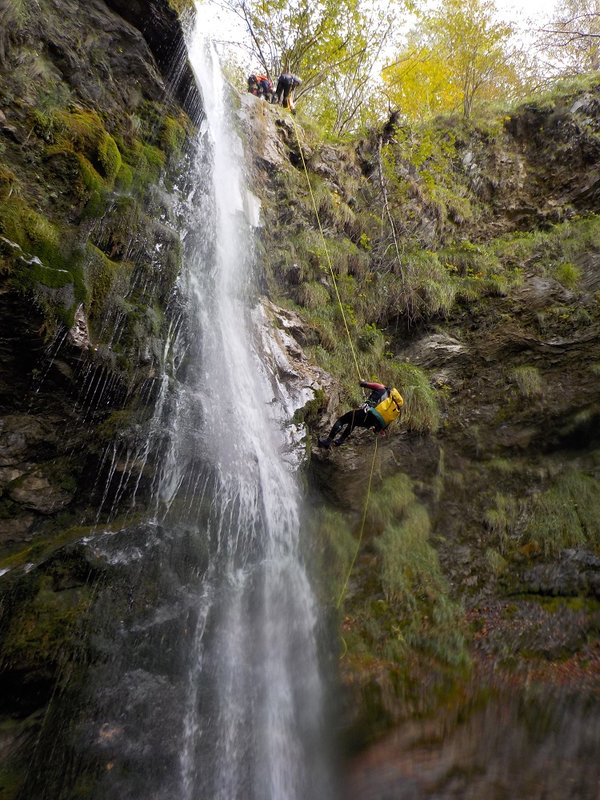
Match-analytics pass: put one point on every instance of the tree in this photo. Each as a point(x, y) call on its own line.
point(457, 55)
point(331, 44)
point(571, 41)
point(419, 82)
point(350, 95)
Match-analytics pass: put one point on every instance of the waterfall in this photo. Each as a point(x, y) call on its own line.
point(201, 673)
point(254, 698)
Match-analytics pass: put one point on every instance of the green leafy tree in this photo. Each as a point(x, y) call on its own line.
point(419, 82)
point(457, 55)
point(333, 45)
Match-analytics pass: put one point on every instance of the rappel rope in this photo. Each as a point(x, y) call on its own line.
point(339, 299)
point(329, 264)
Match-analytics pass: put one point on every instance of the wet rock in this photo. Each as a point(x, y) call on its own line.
point(575, 572)
point(298, 385)
point(12, 132)
point(160, 26)
point(294, 277)
point(587, 104)
point(263, 142)
point(330, 164)
point(79, 335)
point(16, 529)
point(538, 291)
point(22, 434)
point(438, 350)
point(9, 474)
point(36, 491)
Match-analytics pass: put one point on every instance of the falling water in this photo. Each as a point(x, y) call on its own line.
point(253, 706)
point(205, 675)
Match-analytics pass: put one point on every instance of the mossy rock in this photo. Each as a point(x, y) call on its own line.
point(44, 626)
point(180, 6)
point(82, 131)
point(101, 276)
point(173, 135)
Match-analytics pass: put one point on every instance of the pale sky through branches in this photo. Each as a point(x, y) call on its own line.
point(527, 15)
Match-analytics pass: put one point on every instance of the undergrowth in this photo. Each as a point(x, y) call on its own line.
point(566, 514)
point(400, 607)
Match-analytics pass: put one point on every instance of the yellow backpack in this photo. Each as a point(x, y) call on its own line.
point(389, 409)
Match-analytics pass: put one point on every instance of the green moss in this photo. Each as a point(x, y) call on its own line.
point(45, 544)
point(567, 273)
point(149, 163)
point(527, 380)
point(124, 179)
point(173, 135)
point(101, 274)
point(566, 514)
point(495, 561)
point(7, 182)
point(423, 615)
point(335, 547)
point(35, 234)
point(504, 465)
point(55, 264)
point(309, 412)
point(420, 287)
point(502, 519)
point(389, 502)
point(82, 132)
point(408, 567)
point(371, 340)
point(415, 616)
point(313, 295)
point(109, 157)
point(553, 251)
point(421, 410)
point(37, 635)
point(115, 422)
point(142, 165)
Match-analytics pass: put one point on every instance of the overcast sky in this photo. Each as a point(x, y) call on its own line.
point(526, 14)
point(539, 11)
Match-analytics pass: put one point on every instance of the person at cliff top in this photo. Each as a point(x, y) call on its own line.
point(284, 93)
point(382, 407)
point(261, 86)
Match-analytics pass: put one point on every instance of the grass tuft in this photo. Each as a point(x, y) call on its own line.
point(566, 515)
point(527, 380)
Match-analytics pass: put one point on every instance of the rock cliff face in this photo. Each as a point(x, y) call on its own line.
point(91, 140)
point(505, 483)
point(93, 132)
point(471, 279)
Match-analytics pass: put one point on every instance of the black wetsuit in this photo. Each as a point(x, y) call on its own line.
point(360, 417)
point(286, 83)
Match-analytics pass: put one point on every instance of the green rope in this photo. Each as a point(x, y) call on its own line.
point(339, 299)
point(335, 286)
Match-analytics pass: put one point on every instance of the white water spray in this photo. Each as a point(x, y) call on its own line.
point(253, 719)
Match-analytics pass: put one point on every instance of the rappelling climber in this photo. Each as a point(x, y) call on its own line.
point(381, 407)
point(284, 93)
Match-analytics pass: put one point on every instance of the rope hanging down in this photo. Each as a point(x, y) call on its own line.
point(368, 495)
point(362, 529)
point(335, 286)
